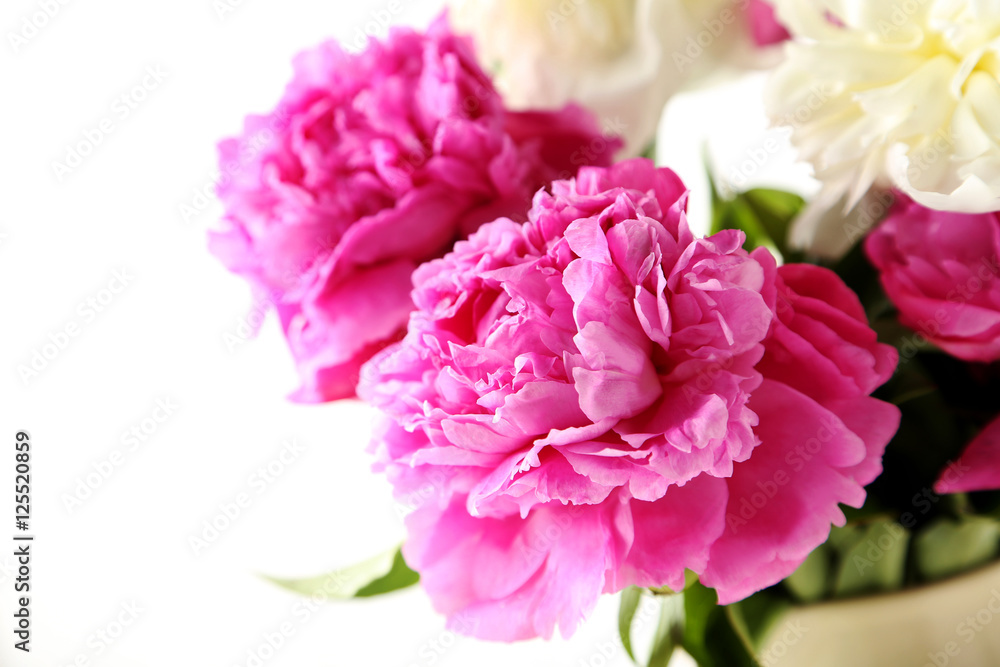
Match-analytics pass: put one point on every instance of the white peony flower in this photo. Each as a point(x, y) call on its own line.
point(611, 56)
point(893, 93)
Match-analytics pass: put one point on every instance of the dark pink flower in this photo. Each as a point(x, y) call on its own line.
point(373, 163)
point(978, 469)
point(941, 270)
point(598, 399)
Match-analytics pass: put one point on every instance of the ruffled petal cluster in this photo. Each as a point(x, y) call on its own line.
point(597, 399)
point(371, 164)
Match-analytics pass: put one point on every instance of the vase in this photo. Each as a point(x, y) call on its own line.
point(952, 623)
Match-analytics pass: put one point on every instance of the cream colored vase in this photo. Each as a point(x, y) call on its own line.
point(954, 623)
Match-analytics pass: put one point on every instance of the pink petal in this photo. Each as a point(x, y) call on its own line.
point(978, 468)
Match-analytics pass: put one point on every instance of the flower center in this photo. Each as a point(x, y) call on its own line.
point(964, 38)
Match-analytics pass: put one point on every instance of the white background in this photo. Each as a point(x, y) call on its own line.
point(162, 338)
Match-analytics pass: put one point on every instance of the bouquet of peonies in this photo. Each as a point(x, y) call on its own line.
point(580, 396)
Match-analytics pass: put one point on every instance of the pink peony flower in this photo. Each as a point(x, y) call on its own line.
point(598, 399)
point(764, 26)
point(978, 468)
point(941, 270)
point(372, 164)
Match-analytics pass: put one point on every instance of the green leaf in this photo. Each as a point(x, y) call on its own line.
point(709, 632)
point(843, 538)
point(775, 210)
point(871, 511)
point(650, 151)
point(754, 617)
point(764, 215)
point(875, 562)
point(689, 579)
point(699, 603)
point(382, 574)
point(631, 597)
point(667, 633)
point(398, 577)
point(948, 546)
point(737, 214)
point(809, 582)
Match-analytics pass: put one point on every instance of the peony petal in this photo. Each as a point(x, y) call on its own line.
point(978, 468)
point(783, 500)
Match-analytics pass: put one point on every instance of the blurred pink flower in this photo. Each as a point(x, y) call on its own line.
point(942, 271)
point(373, 163)
point(978, 468)
point(764, 26)
point(598, 399)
